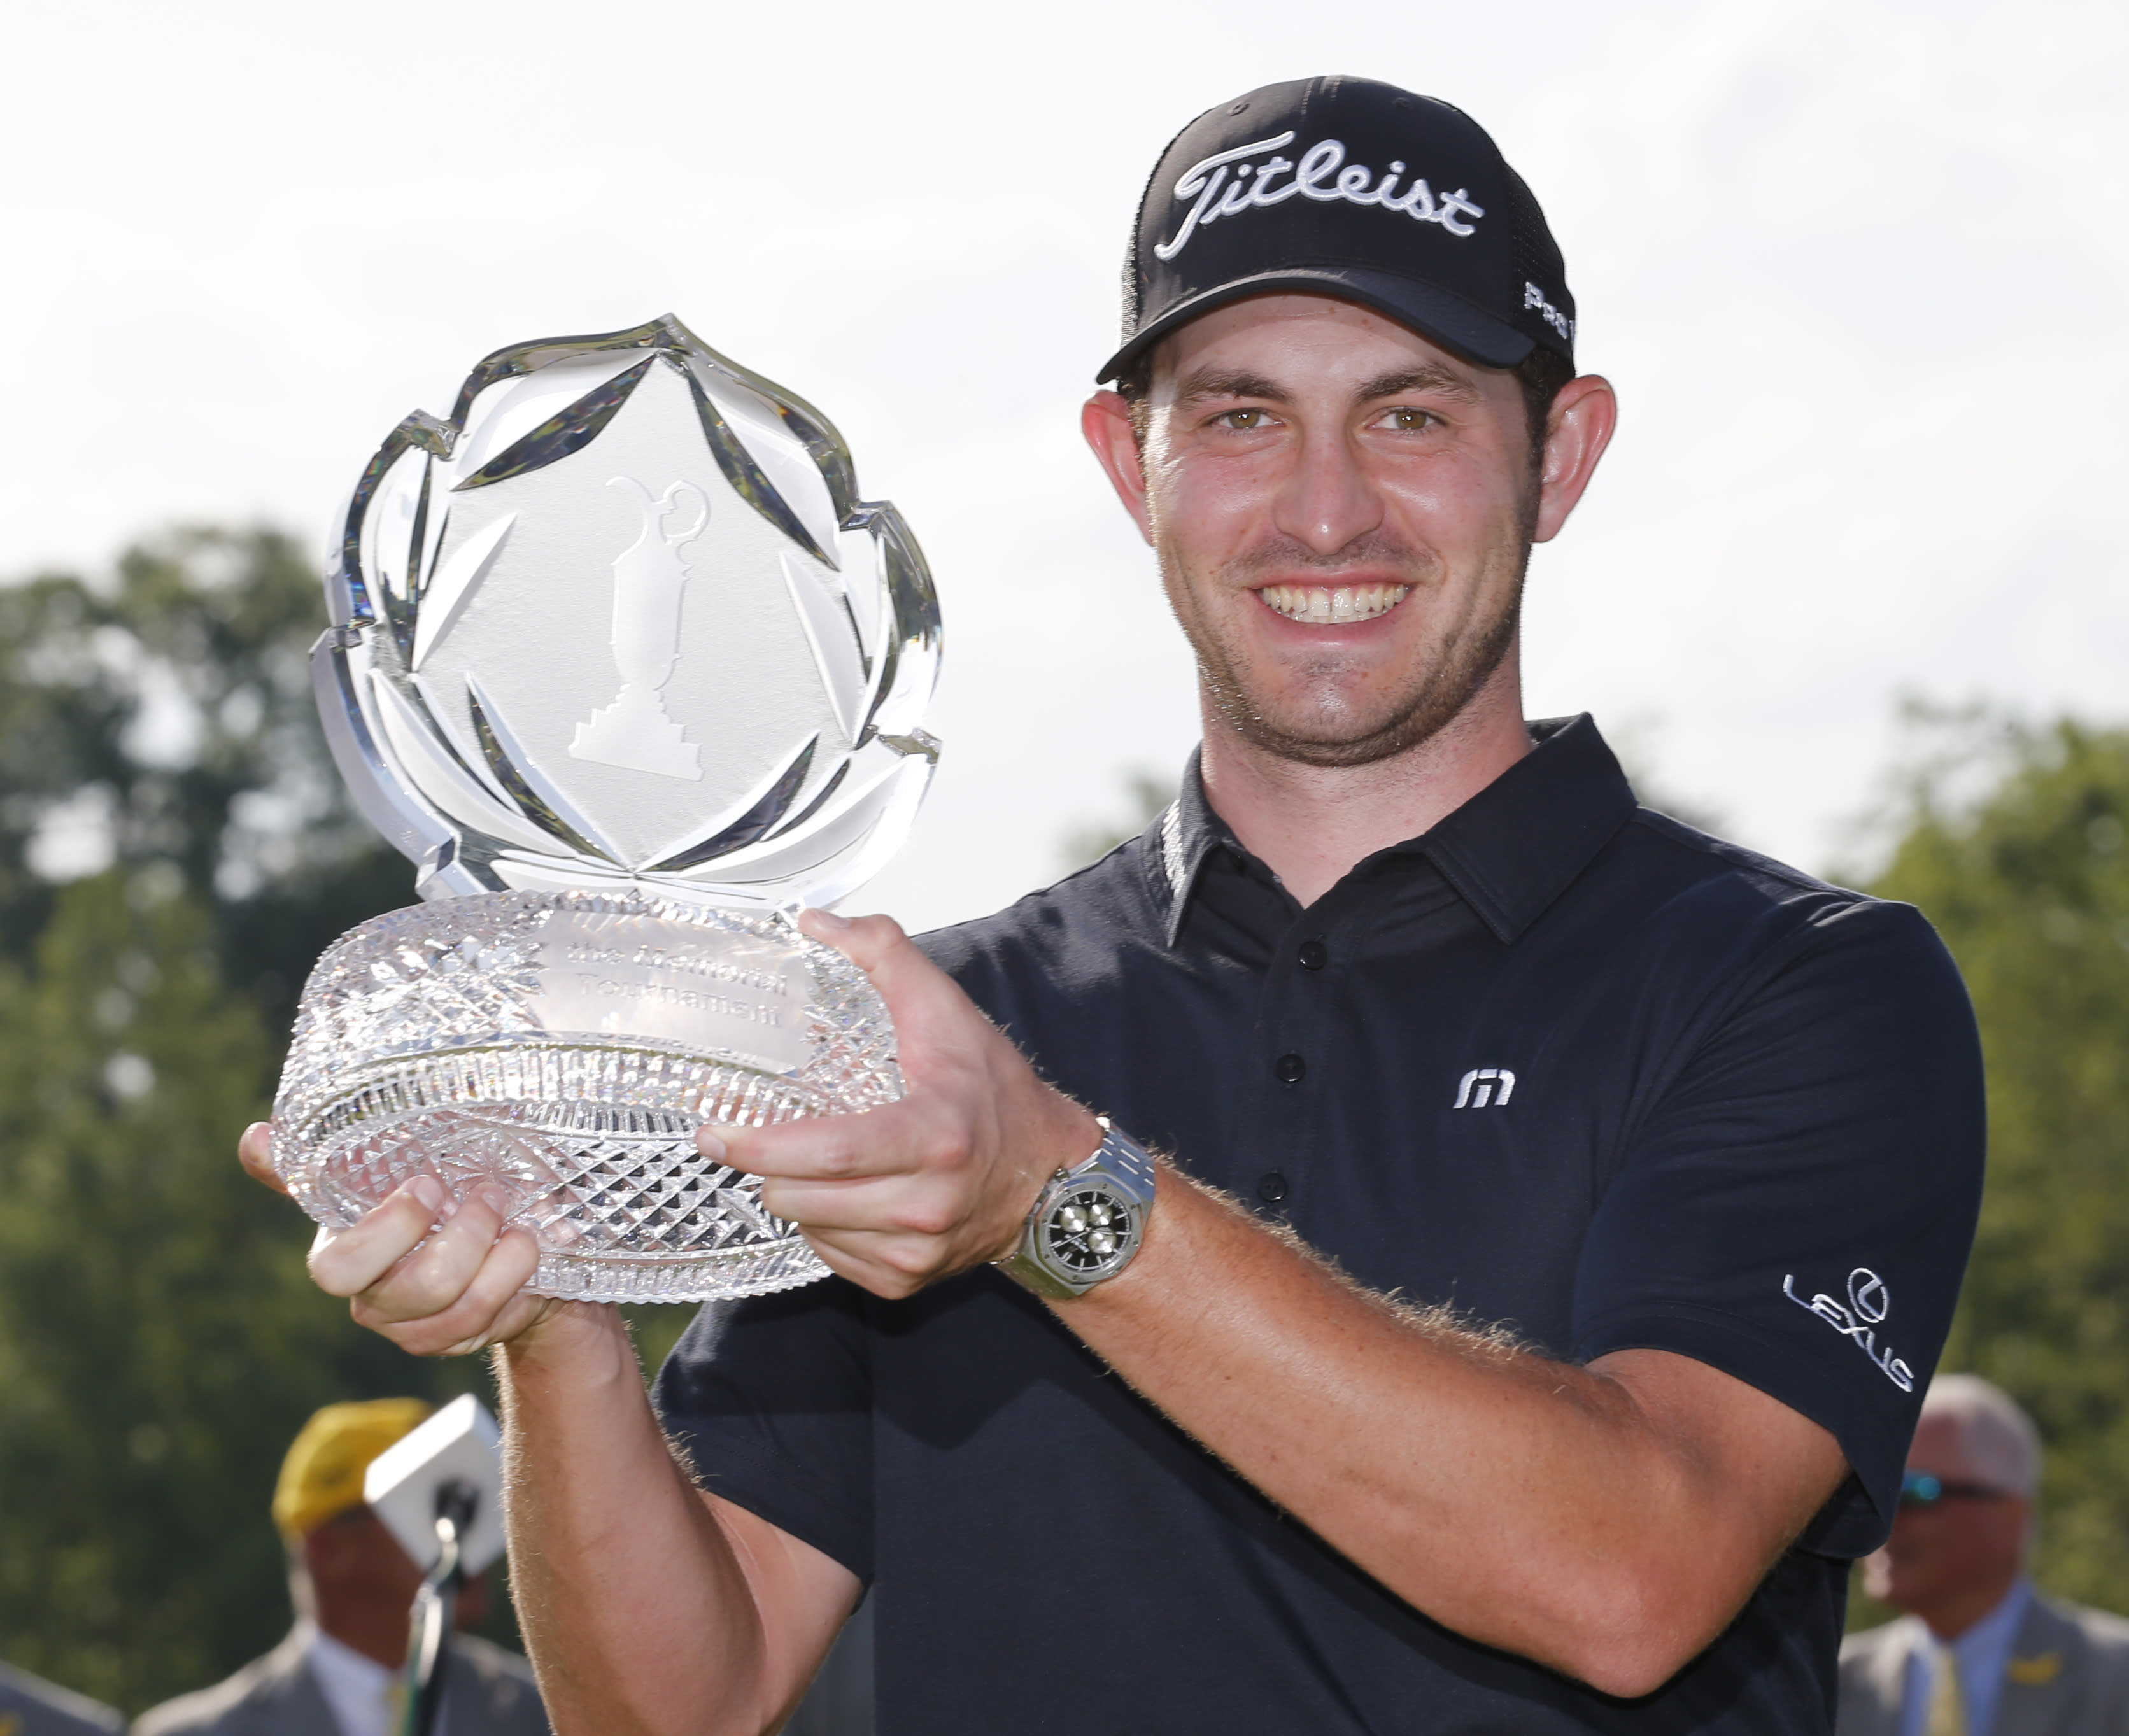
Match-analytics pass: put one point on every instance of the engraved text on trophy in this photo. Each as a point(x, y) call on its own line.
point(634, 732)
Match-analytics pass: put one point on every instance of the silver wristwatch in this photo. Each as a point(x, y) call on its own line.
point(1088, 1221)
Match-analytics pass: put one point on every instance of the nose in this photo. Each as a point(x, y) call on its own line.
point(1328, 501)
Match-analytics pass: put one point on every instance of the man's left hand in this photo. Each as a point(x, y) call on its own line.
point(903, 1195)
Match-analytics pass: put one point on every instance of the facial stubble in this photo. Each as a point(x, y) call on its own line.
point(1457, 663)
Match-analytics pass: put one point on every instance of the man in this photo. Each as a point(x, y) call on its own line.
point(1559, 1207)
point(1976, 1652)
point(30, 1706)
point(339, 1672)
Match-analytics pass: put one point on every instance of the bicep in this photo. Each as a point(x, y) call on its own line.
point(1758, 1470)
point(802, 1596)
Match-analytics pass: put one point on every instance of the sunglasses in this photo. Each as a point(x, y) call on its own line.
point(1924, 1489)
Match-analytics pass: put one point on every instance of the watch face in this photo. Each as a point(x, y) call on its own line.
point(1089, 1231)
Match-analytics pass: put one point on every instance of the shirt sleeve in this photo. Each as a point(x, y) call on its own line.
point(1797, 1208)
point(770, 1398)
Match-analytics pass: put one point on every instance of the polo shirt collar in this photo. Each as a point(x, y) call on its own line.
point(1508, 851)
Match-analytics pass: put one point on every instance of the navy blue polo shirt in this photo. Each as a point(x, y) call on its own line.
point(1561, 1065)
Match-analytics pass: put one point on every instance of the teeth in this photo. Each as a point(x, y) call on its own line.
point(1326, 606)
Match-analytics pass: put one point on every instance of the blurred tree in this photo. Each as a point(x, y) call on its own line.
point(160, 1341)
point(162, 715)
point(1146, 795)
point(174, 851)
point(2012, 839)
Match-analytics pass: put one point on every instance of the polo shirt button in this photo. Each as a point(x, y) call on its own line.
point(1271, 1187)
point(1289, 1069)
point(1313, 955)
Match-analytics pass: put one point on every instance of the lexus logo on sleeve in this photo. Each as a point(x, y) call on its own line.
point(1859, 1318)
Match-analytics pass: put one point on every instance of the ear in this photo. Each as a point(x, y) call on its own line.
point(1577, 431)
point(1106, 421)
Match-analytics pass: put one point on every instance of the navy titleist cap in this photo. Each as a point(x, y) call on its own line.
point(1352, 188)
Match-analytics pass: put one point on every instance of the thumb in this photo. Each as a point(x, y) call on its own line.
point(919, 995)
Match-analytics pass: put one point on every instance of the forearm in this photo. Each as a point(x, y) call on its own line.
point(1528, 1504)
point(644, 1611)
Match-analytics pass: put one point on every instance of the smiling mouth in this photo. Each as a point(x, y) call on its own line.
point(1332, 606)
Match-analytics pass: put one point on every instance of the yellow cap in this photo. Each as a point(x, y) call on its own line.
point(322, 1476)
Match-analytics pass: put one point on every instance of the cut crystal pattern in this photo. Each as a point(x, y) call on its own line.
point(737, 654)
point(621, 659)
point(524, 1040)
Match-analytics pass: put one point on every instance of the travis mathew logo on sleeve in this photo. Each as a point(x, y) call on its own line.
point(1869, 1302)
point(1225, 185)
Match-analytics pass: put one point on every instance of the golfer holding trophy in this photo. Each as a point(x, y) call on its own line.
point(1559, 1210)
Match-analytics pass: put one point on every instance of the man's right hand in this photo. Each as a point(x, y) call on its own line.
point(436, 1279)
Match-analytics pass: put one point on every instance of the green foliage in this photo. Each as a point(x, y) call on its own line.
point(164, 716)
point(159, 1342)
point(2014, 845)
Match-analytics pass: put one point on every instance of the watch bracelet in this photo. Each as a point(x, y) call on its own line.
point(1120, 1159)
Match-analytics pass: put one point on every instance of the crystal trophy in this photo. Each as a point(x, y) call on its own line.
point(621, 660)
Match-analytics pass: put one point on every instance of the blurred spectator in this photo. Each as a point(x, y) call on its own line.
point(1976, 1651)
point(31, 1706)
point(338, 1673)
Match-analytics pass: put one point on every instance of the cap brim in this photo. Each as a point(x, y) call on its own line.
point(1435, 314)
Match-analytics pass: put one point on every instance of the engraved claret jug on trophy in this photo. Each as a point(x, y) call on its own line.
point(619, 659)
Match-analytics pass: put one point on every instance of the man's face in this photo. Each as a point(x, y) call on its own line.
point(1342, 512)
point(364, 1583)
point(355, 1556)
point(1943, 1555)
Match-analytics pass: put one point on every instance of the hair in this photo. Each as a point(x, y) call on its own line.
point(1540, 376)
point(1993, 1429)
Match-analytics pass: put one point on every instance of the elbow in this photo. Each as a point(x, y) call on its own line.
point(1631, 1640)
point(1632, 1671)
point(1635, 1648)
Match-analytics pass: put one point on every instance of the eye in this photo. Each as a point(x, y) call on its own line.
point(1408, 419)
point(1242, 421)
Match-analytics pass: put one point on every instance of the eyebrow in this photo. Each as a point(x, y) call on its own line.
point(1431, 377)
point(1219, 383)
point(1212, 382)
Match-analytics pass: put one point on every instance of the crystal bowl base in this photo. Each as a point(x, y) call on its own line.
point(425, 1045)
point(590, 1179)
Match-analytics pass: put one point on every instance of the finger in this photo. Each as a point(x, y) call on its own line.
point(861, 1272)
point(433, 1278)
point(887, 1140)
point(885, 1264)
point(345, 1261)
point(907, 1205)
point(825, 1205)
point(921, 999)
point(254, 1151)
point(488, 1309)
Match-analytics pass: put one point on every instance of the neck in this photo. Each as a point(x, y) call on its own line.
point(1309, 824)
point(1960, 1613)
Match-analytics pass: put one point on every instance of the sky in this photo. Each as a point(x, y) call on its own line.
point(1857, 271)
